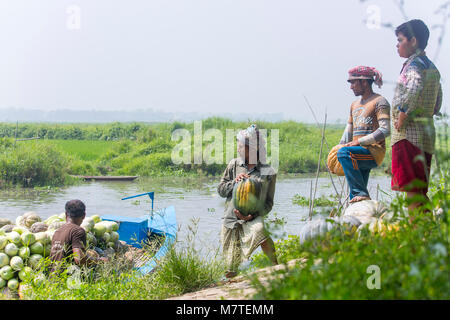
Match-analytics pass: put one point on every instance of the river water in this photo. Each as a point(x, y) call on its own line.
point(193, 198)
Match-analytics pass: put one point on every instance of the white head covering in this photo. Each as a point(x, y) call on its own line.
point(257, 145)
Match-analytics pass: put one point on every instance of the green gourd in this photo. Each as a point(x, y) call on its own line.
point(247, 196)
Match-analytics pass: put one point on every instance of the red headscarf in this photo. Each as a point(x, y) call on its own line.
point(363, 72)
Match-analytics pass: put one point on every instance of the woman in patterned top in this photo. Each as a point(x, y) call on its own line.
point(418, 97)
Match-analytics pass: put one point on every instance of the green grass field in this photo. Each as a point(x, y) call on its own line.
point(87, 150)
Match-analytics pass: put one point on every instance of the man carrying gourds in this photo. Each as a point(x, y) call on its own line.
point(242, 234)
point(364, 137)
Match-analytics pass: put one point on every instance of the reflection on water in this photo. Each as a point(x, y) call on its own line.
point(191, 197)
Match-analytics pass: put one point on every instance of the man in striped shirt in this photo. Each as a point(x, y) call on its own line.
point(364, 136)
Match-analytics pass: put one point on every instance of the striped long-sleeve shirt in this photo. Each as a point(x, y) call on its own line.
point(369, 123)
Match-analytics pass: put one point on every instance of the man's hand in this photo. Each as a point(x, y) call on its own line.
point(352, 144)
point(241, 176)
point(241, 217)
point(398, 124)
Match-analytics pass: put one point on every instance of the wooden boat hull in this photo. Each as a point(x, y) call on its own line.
point(107, 178)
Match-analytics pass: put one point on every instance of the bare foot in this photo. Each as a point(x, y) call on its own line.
point(359, 198)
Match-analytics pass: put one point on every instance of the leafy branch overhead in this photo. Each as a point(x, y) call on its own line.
point(443, 13)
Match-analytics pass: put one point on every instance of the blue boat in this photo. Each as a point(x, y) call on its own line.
point(135, 230)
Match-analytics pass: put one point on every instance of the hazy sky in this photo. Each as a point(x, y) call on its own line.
point(199, 55)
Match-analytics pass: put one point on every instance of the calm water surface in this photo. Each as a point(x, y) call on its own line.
point(193, 198)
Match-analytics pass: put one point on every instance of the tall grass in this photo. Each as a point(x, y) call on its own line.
point(84, 155)
point(187, 270)
point(31, 163)
point(87, 150)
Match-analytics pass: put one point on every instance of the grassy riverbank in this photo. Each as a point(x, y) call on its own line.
point(146, 149)
point(141, 149)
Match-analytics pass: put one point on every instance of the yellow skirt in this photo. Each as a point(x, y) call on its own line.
point(240, 242)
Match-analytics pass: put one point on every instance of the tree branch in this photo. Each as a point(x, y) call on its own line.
point(443, 10)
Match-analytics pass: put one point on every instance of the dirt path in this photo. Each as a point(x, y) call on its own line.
point(238, 288)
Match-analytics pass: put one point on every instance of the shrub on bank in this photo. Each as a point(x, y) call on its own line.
point(413, 264)
point(413, 261)
point(32, 163)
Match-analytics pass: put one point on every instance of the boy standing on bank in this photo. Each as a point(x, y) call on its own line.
point(418, 97)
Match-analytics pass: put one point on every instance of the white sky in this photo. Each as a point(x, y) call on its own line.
point(199, 55)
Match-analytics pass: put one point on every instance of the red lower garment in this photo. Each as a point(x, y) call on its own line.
point(408, 173)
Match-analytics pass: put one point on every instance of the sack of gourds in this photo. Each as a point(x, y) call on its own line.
point(333, 163)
